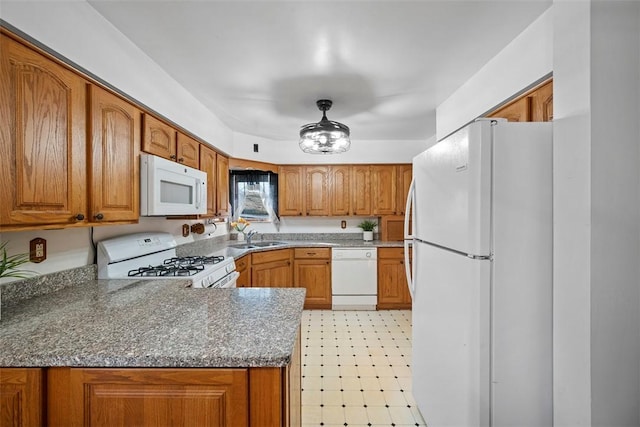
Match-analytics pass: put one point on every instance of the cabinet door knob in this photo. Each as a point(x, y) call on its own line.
point(79, 217)
point(172, 157)
point(99, 216)
point(181, 160)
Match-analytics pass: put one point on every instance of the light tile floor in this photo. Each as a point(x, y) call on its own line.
point(357, 369)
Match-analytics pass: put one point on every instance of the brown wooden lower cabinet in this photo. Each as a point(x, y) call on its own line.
point(243, 266)
point(272, 268)
point(111, 397)
point(393, 292)
point(312, 270)
point(21, 397)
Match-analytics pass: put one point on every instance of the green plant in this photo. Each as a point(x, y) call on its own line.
point(368, 225)
point(9, 264)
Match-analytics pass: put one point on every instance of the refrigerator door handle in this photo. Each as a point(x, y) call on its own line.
point(408, 239)
point(407, 210)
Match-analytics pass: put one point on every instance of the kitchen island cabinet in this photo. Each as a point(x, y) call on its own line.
point(21, 397)
point(114, 351)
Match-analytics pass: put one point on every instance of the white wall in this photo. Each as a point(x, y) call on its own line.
point(288, 152)
point(597, 213)
point(615, 213)
point(572, 215)
point(75, 30)
point(521, 63)
point(594, 51)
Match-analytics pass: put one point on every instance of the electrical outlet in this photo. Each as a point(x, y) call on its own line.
point(37, 250)
point(343, 224)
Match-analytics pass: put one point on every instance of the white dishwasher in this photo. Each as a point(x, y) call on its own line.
point(354, 278)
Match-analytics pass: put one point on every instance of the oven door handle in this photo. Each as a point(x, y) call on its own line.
point(228, 281)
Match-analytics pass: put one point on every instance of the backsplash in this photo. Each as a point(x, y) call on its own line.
point(45, 284)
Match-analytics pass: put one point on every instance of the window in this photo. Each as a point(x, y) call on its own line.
point(254, 195)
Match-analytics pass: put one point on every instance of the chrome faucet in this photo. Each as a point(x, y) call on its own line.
point(250, 235)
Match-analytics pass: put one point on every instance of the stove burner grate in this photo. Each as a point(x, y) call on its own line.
point(177, 266)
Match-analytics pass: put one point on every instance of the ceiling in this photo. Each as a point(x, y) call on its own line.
point(260, 66)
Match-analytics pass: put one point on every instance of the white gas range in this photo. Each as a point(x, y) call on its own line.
point(153, 256)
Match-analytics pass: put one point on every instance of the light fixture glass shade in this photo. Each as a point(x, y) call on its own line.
point(326, 136)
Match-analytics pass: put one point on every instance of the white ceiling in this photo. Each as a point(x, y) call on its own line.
point(261, 65)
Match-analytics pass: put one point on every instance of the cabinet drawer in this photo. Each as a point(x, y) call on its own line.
point(270, 256)
point(322, 253)
point(391, 253)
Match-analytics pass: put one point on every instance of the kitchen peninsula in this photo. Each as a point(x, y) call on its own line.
point(185, 356)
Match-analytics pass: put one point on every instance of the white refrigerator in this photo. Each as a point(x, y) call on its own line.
point(481, 276)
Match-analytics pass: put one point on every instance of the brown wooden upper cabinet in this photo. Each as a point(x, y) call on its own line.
point(163, 140)
point(405, 173)
point(222, 186)
point(533, 106)
point(383, 189)
point(114, 138)
point(290, 190)
point(343, 190)
point(340, 190)
point(158, 138)
point(208, 164)
point(361, 190)
point(188, 151)
point(43, 148)
point(217, 168)
point(316, 182)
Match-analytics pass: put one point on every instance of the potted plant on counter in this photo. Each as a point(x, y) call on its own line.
point(367, 229)
point(9, 266)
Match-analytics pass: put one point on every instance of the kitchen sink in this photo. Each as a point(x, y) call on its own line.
point(255, 245)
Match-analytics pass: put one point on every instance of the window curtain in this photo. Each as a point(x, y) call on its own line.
point(254, 195)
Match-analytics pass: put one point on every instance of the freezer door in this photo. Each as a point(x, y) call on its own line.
point(451, 327)
point(453, 191)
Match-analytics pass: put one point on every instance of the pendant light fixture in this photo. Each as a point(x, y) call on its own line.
point(326, 136)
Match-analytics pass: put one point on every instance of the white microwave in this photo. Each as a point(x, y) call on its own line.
point(169, 188)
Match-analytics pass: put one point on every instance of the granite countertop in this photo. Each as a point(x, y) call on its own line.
point(152, 323)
